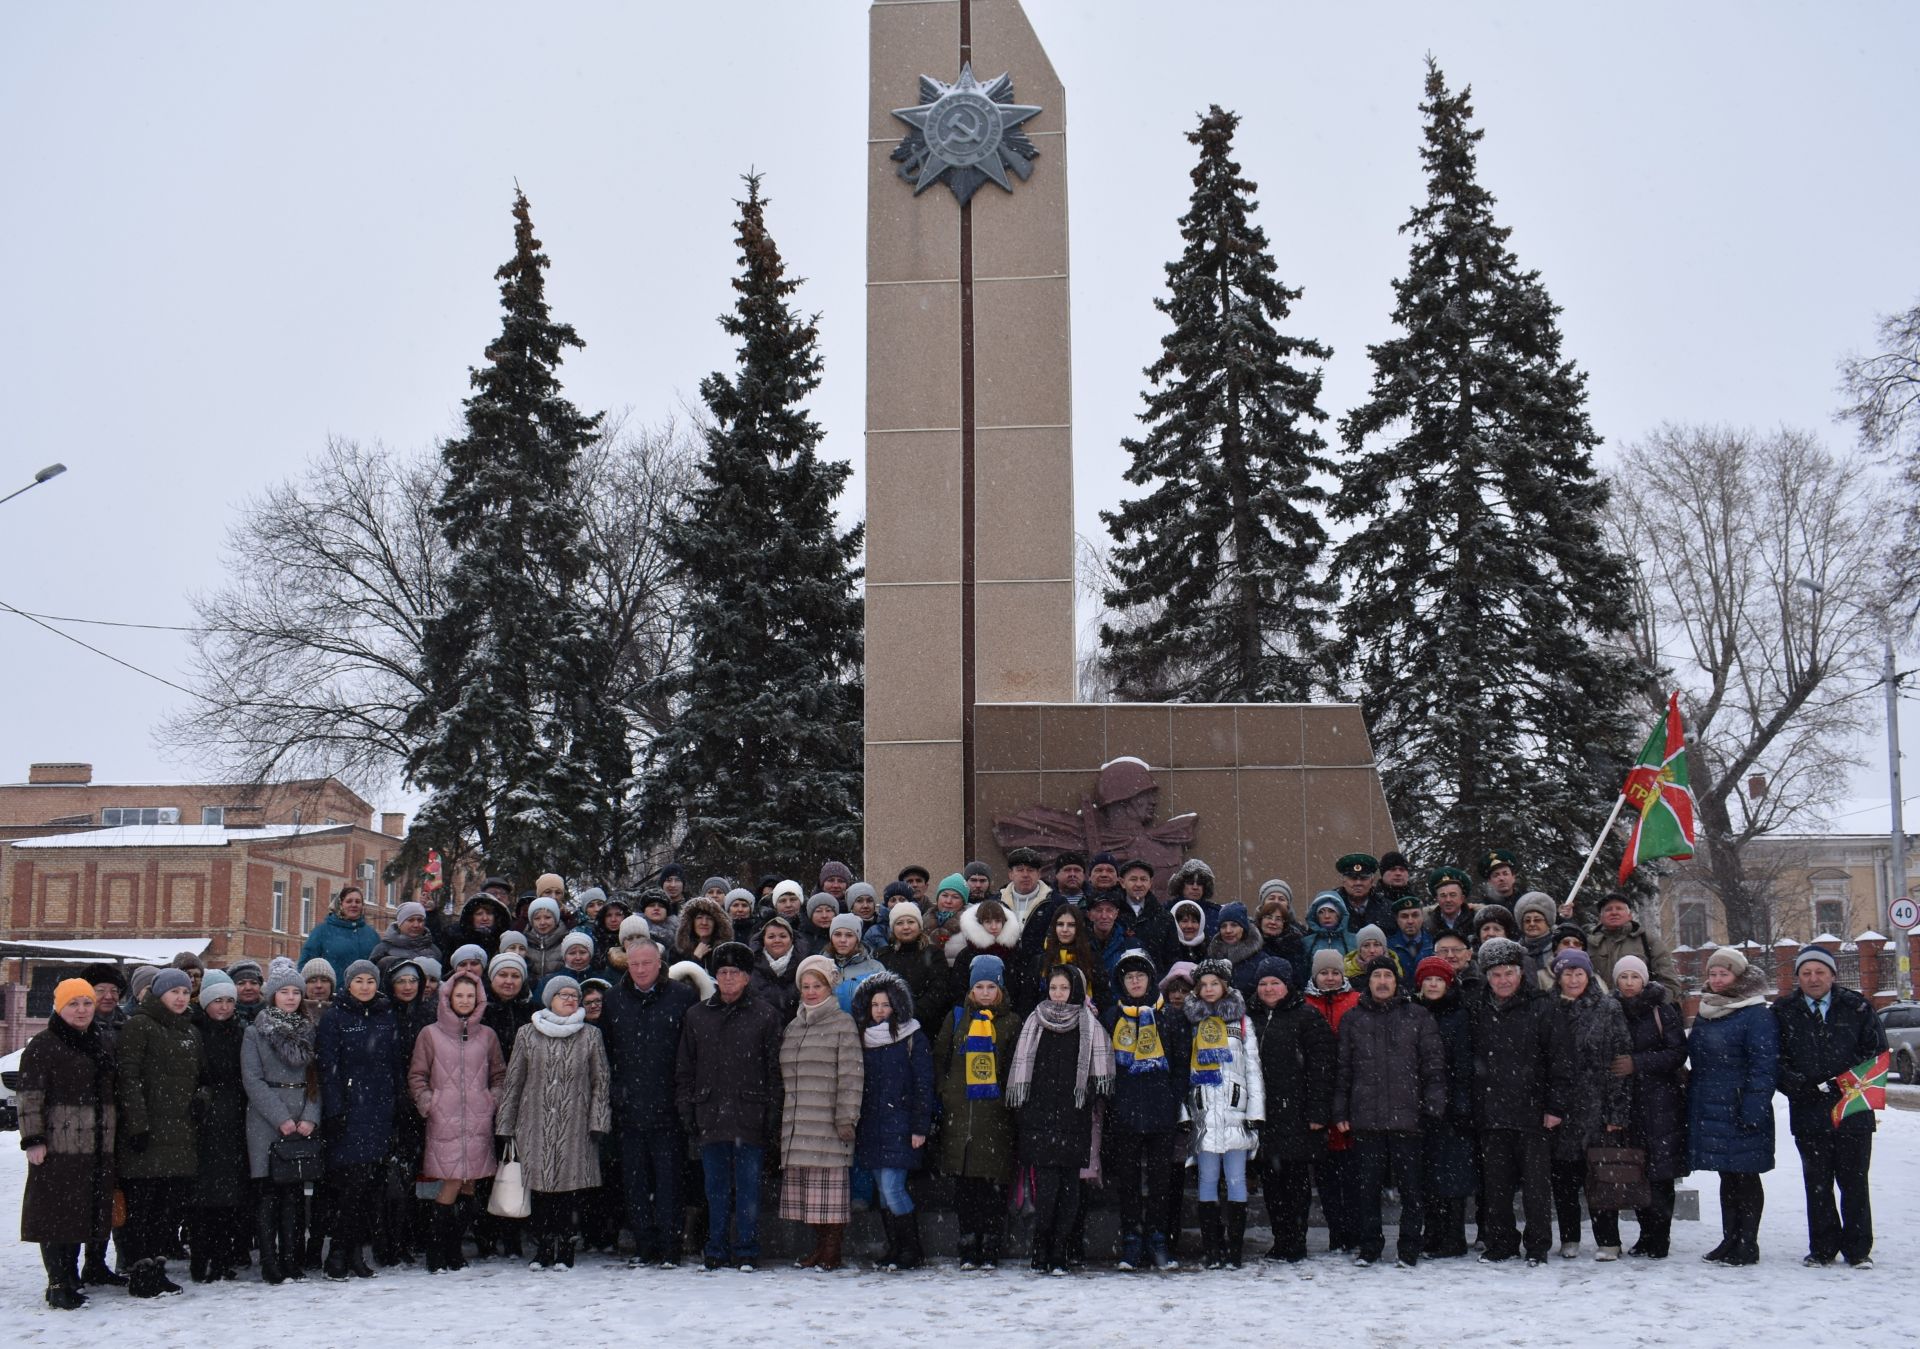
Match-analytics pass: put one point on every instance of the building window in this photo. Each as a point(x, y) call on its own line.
point(306, 908)
point(213, 815)
point(1696, 928)
point(279, 906)
point(368, 879)
point(1830, 905)
point(125, 815)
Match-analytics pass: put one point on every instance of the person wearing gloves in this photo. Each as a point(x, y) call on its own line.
point(822, 1074)
point(218, 1234)
point(283, 1100)
point(1227, 1097)
point(1150, 1063)
point(455, 1079)
point(554, 1106)
point(357, 1051)
point(1390, 1083)
point(66, 1090)
point(1735, 1051)
point(896, 1108)
point(158, 1073)
point(1062, 1061)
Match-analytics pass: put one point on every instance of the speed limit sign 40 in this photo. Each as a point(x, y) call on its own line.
point(1904, 913)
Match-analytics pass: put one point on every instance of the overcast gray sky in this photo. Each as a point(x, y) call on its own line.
point(234, 229)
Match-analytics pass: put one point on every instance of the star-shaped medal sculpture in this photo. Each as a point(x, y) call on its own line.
point(968, 133)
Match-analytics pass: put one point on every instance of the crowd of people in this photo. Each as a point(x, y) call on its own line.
point(649, 1066)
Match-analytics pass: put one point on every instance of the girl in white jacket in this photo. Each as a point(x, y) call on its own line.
point(1227, 1099)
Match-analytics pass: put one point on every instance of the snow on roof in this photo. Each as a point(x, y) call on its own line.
point(171, 836)
point(132, 950)
point(1870, 935)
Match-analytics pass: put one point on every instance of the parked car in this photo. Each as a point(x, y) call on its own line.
point(1901, 1021)
point(10, 1090)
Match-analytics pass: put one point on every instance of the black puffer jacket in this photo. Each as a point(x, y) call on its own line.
point(1588, 1033)
point(1298, 1058)
point(642, 1035)
point(1393, 1068)
point(1657, 1121)
point(220, 1106)
point(1513, 1065)
point(727, 1077)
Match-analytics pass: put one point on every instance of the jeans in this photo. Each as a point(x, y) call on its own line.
point(1837, 1159)
point(892, 1182)
point(1212, 1165)
point(650, 1175)
point(732, 1172)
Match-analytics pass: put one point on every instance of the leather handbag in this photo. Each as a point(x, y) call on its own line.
point(1617, 1179)
point(510, 1198)
point(297, 1160)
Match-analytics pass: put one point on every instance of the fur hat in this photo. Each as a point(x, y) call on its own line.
point(1392, 858)
point(1561, 932)
point(635, 928)
point(244, 969)
point(1496, 913)
point(319, 968)
point(1534, 901)
point(1328, 959)
point(1733, 959)
point(556, 985)
point(186, 960)
point(1218, 966)
point(821, 966)
point(733, 955)
point(104, 973)
point(692, 972)
point(1432, 967)
point(1630, 965)
point(1023, 857)
point(169, 979)
point(1500, 951)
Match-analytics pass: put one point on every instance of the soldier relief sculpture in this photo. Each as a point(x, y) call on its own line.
point(1117, 818)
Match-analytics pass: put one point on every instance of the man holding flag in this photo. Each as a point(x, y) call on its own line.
point(1831, 1052)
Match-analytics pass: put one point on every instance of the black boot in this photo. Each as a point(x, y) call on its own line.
point(357, 1262)
point(291, 1263)
point(890, 1230)
point(266, 1231)
point(1236, 1233)
point(1746, 1249)
point(447, 1222)
point(908, 1234)
point(200, 1261)
point(148, 1278)
point(335, 1264)
point(1042, 1254)
point(97, 1271)
point(1211, 1238)
point(63, 1277)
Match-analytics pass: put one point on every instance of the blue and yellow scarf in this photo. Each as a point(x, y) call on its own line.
point(1210, 1050)
point(983, 1068)
point(1136, 1040)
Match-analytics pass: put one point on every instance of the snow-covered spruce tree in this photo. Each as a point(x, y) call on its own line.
point(760, 769)
point(1218, 590)
point(519, 755)
point(1483, 614)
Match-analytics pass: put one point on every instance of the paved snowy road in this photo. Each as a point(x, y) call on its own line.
point(1325, 1301)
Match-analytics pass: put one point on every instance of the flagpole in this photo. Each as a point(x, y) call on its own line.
point(1605, 829)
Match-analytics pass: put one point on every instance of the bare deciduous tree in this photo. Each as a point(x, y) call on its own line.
point(1723, 526)
point(308, 660)
point(1883, 401)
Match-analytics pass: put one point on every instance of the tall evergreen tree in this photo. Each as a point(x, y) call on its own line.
point(519, 756)
point(761, 769)
point(1484, 611)
point(1218, 592)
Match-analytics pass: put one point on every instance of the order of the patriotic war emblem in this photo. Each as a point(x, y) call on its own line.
point(966, 132)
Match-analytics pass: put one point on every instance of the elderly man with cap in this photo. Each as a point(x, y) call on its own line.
point(344, 935)
point(1826, 1030)
point(1365, 902)
point(1450, 887)
point(917, 878)
point(1515, 1094)
point(1024, 891)
point(641, 1020)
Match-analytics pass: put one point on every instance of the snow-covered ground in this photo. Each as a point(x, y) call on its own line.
point(1324, 1301)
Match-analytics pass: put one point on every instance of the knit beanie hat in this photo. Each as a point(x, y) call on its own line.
point(429, 967)
point(846, 922)
point(1387, 963)
point(1571, 959)
point(1218, 968)
point(283, 978)
point(319, 968)
point(1814, 955)
point(861, 890)
point(1327, 959)
point(822, 900)
point(1732, 958)
point(1235, 912)
point(793, 888)
point(1273, 967)
point(819, 965)
point(558, 984)
point(186, 960)
point(67, 990)
point(1371, 932)
point(987, 969)
point(550, 883)
point(906, 908)
point(589, 897)
point(544, 904)
point(282, 965)
point(1630, 965)
point(358, 968)
point(513, 941)
point(1276, 887)
point(169, 979)
point(141, 982)
point(471, 951)
point(216, 986)
point(576, 938)
point(980, 869)
point(896, 890)
point(406, 969)
point(835, 871)
point(635, 928)
point(1500, 951)
point(411, 909)
point(505, 960)
point(1432, 967)
point(740, 892)
point(245, 969)
point(957, 883)
point(1180, 972)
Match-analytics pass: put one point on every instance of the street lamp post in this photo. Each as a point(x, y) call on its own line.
point(50, 471)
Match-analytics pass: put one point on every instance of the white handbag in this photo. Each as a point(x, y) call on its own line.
point(510, 1198)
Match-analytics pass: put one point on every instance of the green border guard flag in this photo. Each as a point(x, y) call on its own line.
point(1662, 801)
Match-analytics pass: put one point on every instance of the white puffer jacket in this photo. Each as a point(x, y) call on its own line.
point(1226, 1116)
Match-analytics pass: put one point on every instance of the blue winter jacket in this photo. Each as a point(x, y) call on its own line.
point(1730, 1090)
point(1319, 938)
point(357, 1050)
point(340, 942)
point(1410, 950)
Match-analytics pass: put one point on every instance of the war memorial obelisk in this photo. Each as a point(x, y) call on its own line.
point(970, 661)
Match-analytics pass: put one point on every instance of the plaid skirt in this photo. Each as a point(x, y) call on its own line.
point(816, 1194)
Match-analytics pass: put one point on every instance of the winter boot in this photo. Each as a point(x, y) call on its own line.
point(443, 1236)
point(266, 1231)
point(455, 1254)
point(335, 1264)
point(1159, 1253)
point(908, 1252)
point(889, 1258)
point(811, 1259)
point(97, 1272)
point(992, 1244)
point(357, 1262)
point(63, 1277)
point(1746, 1249)
point(1211, 1238)
point(291, 1264)
point(543, 1256)
point(1132, 1251)
point(1236, 1233)
point(832, 1237)
point(1042, 1256)
point(148, 1278)
point(563, 1252)
point(200, 1262)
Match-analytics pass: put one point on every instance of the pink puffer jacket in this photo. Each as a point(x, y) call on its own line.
point(455, 1080)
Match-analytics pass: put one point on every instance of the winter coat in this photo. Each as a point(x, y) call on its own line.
point(727, 1075)
point(1319, 938)
point(358, 1050)
point(276, 1088)
point(1588, 1032)
point(1514, 1083)
point(777, 989)
point(1375, 909)
point(1241, 954)
point(66, 1101)
point(1332, 1007)
point(1657, 1120)
point(854, 970)
point(1024, 908)
point(1151, 929)
point(1447, 1150)
point(1392, 1071)
point(1465, 924)
point(506, 1017)
point(1227, 1114)
point(973, 940)
point(554, 1104)
point(684, 941)
point(1150, 1103)
point(464, 933)
point(1291, 947)
point(896, 1092)
point(158, 1072)
point(1409, 951)
point(1813, 1051)
point(220, 1105)
point(1298, 1057)
point(923, 968)
point(543, 953)
point(455, 1079)
point(1605, 947)
point(1730, 1089)
point(339, 941)
point(642, 1033)
point(1053, 1131)
point(976, 1134)
point(821, 1075)
point(397, 946)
